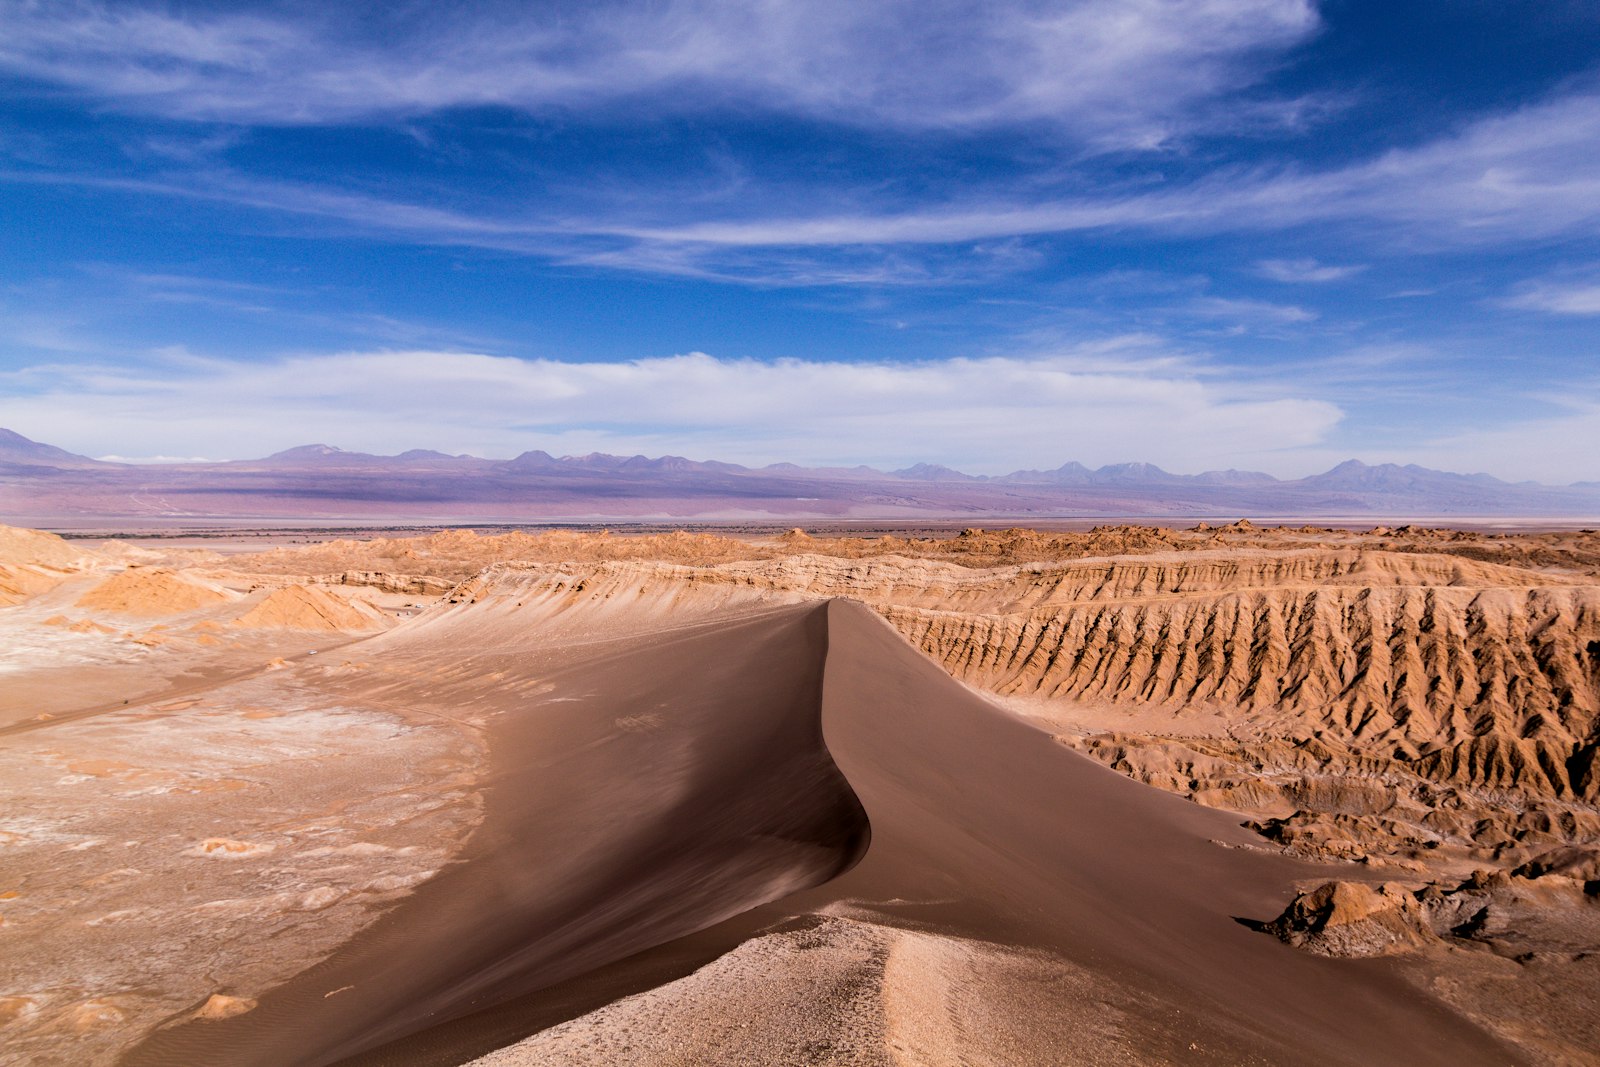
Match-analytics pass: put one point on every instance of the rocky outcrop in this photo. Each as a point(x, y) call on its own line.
point(1545, 906)
point(1353, 919)
point(1492, 686)
point(420, 585)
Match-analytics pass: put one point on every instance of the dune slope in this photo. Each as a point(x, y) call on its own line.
point(640, 790)
point(1030, 844)
point(1018, 903)
point(1354, 701)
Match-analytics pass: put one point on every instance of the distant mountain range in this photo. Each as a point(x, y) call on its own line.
point(42, 484)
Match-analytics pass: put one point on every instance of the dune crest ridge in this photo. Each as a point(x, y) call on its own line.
point(670, 694)
point(1461, 677)
point(987, 835)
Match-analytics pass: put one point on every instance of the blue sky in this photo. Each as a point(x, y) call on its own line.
point(1268, 234)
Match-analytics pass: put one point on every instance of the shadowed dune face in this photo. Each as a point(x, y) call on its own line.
point(641, 789)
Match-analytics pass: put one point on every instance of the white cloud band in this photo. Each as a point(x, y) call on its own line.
point(1098, 404)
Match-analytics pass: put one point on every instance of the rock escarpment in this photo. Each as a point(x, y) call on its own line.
point(1380, 702)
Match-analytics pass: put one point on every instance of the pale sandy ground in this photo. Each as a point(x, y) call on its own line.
point(727, 817)
point(190, 814)
point(160, 856)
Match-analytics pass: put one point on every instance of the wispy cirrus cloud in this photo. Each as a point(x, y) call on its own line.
point(1519, 176)
point(91, 312)
point(1305, 271)
point(1558, 297)
point(1523, 174)
point(1121, 74)
point(1247, 311)
point(1083, 76)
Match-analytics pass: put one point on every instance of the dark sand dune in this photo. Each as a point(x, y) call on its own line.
point(1018, 903)
point(655, 788)
point(1032, 846)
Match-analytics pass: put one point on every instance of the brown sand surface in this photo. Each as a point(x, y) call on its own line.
point(670, 780)
point(653, 788)
point(986, 839)
point(970, 804)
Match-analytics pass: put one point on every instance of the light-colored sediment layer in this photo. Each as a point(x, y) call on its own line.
point(459, 554)
point(809, 996)
point(185, 858)
point(455, 555)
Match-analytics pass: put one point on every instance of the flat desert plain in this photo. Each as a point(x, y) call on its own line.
point(1127, 796)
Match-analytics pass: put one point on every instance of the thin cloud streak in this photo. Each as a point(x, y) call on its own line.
point(1526, 174)
point(1247, 311)
point(1558, 298)
point(1304, 271)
